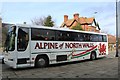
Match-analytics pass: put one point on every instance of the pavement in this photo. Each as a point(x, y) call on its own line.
point(112, 54)
point(0, 71)
point(101, 68)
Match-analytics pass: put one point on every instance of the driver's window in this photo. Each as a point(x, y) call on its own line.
point(22, 39)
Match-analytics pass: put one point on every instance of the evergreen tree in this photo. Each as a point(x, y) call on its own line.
point(48, 21)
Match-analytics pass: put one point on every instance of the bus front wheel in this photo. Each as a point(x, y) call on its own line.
point(41, 61)
point(3, 61)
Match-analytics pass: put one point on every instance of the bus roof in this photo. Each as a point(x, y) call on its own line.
point(55, 28)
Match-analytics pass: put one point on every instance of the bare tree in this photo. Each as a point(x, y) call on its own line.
point(38, 21)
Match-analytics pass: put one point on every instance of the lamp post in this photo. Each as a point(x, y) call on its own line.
point(94, 14)
point(116, 55)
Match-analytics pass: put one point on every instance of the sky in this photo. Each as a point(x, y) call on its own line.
point(19, 12)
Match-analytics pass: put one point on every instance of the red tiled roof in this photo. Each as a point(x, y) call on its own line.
point(90, 20)
point(79, 20)
point(69, 22)
point(82, 20)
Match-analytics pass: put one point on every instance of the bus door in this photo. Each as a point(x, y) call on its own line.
point(23, 46)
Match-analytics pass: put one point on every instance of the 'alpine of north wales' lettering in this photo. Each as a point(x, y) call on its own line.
point(62, 45)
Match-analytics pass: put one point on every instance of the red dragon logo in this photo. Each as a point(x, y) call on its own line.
point(102, 49)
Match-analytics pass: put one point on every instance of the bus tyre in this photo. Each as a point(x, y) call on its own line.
point(93, 56)
point(41, 61)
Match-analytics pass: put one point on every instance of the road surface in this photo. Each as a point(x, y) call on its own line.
point(101, 68)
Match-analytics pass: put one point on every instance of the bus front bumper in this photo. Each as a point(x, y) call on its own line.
point(10, 63)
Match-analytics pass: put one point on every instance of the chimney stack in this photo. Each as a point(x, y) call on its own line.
point(65, 18)
point(76, 16)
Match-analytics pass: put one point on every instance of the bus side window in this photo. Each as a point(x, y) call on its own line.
point(86, 37)
point(75, 37)
point(51, 35)
point(58, 35)
point(100, 38)
point(81, 37)
point(93, 38)
point(104, 38)
point(64, 36)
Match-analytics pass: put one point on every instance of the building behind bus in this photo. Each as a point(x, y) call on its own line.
point(111, 42)
point(87, 24)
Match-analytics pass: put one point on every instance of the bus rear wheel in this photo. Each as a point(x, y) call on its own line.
point(41, 61)
point(93, 56)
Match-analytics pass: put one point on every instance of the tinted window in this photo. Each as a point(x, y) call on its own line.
point(104, 38)
point(75, 36)
point(100, 38)
point(69, 36)
point(87, 37)
point(94, 38)
point(63, 36)
point(42, 34)
point(59, 35)
point(81, 37)
point(55, 35)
